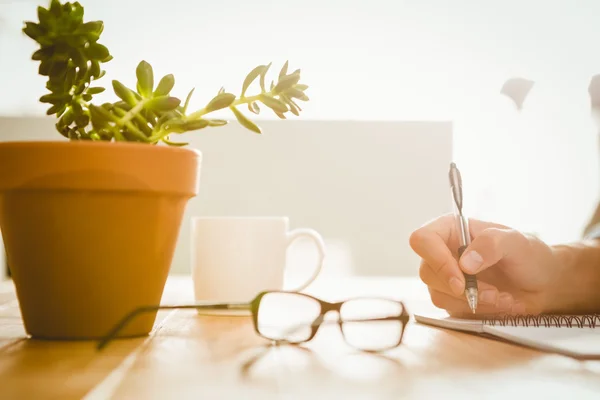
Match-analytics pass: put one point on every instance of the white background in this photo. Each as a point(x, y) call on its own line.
point(384, 60)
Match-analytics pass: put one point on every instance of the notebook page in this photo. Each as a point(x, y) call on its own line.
point(572, 341)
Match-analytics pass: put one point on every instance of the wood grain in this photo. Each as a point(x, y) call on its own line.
point(192, 356)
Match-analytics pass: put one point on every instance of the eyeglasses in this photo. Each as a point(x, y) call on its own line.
point(370, 324)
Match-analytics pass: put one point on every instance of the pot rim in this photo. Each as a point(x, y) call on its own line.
point(98, 166)
point(20, 144)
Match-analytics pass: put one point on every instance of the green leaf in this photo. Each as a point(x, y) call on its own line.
point(76, 108)
point(33, 30)
point(187, 100)
point(195, 124)
point(63, 130)
point(162, 103)
point(55, 7)
point(252, 75)
point(77, 12)
point(178, 144)
point(165, 85)
point(43, 54)
point(145, 78)
point(173, 122)
point(80, 88)
point(91, 27)
point(294, 103)
point(286, 83)
point(124, 93)
point(54, 98)
point(82, 120)
point(44, 68)
point(262, 76)
point(245, 122)
point(43, 15)
point(61, 52)
point(118, 135)
point(293, 108)
point(253, 107)
point(95, 90)
point(69, 80)
point(56, 109)
point(301, 87)
point(216, 122)
point(58, 69)
point(280, 115)
point(121, 104)
point(66, 8)
point(273, 103)
point(87, 97)
point(283, 70)
point(95, 69)
point(67, 118)
point(78, 57)
point(100, 117)
point(222, 90)
point(96, 51)
point(296, 94)
point(220, 101)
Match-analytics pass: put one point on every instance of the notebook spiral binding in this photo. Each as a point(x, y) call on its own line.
point(570, 321)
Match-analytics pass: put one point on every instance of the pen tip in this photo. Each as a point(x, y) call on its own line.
point(472, 300)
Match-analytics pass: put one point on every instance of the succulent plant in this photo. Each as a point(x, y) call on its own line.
point(72, 59)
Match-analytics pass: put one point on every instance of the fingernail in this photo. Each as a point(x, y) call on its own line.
point(471, 261)
point(505, 301)
point(456, 285)
point(488, 296)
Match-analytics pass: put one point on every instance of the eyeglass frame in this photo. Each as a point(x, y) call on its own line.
point(254, 305)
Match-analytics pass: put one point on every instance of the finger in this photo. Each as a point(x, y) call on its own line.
point(476, 226)
point(430, 243)
point(491, 246)
point(455, 306)
point(488, 293)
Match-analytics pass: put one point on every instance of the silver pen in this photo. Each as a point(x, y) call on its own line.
point(464, 236)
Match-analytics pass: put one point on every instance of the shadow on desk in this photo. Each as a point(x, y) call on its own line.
point(36, 368)
point(31, 368)
point(425, 350)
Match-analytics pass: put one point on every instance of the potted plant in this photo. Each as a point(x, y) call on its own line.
point(90, 221)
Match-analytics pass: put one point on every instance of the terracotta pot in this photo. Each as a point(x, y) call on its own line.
point(90, 229)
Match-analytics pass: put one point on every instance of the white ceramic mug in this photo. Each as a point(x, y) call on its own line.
point(235, 258)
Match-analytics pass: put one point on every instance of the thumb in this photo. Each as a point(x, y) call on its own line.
point(489, 247)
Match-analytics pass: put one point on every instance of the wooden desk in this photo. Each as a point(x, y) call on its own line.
point(211, 357)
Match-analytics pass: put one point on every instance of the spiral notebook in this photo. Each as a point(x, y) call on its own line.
point(576, 336)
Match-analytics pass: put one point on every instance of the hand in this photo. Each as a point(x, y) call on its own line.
point(515, 271)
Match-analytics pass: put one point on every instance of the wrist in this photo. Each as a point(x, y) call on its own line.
point(576, 287)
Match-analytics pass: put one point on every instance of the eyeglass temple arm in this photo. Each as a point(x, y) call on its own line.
point(129, 317)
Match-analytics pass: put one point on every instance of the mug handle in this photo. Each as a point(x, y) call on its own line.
point(318, 241)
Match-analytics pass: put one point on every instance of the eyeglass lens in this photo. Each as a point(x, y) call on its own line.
point(291, 317)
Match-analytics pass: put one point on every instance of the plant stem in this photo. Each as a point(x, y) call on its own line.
point(243, 100)
point(237, 102)
point(132, 113)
